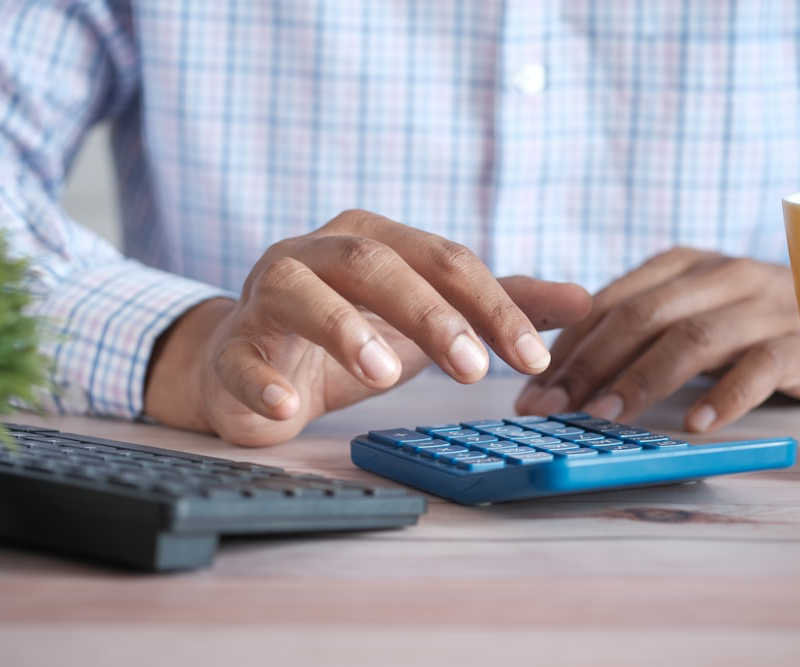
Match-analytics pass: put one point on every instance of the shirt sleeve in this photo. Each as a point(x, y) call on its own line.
point(65, 65)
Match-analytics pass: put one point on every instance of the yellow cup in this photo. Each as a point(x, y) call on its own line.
point(791, 218)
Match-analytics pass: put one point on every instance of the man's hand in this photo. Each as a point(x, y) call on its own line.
point(682, 313)
point(329, 318)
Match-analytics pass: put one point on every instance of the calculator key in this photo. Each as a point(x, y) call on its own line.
point(610, 428)
point(584, 436)
point(529, 458)
point(436, 452)
point(397, 437)
point(626, 448)
point(456, 433)
point(605, 442)
point(559, 446)
point(538, 440)
point(481, 465)
point(546, 426)
point(513, 451)
point(576, 452)
point(665, 444)
point(653, 437)
point(564, 431)
point(527, 438)
point(504, 430)
point(480, 439)
point(569, 417)
point(417, 447)
point(631, 433)
point(482, 423)
point(593, 424)
point(436, 428)
point(462, 456)
point(507, 447)
point(489, 447)
point(525, 420)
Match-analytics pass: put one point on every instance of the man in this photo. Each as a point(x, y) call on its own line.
point(571, 141)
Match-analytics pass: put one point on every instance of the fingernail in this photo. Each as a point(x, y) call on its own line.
point(555, 399)
point(376, 361)
point(609, 406)
point(466, 356)
point(273, 395)
point(531, 352)
point(703, 418)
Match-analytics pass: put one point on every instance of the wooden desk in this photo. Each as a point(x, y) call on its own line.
point(701, 574)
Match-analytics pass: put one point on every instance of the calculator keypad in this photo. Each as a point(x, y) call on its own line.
point(488, 444)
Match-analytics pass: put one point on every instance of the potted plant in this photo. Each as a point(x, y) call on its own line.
point(22, 367)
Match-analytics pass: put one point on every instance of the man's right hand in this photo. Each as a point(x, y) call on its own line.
point(332, 317)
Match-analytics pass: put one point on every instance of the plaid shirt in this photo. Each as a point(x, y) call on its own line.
point(564, 139)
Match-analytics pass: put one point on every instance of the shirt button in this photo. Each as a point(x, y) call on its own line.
point(531, 79)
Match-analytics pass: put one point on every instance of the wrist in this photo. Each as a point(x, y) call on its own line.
point(178, 363)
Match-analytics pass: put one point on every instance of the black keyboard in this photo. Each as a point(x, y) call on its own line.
point(157, 509)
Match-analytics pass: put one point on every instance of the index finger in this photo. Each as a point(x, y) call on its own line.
point(464, 281)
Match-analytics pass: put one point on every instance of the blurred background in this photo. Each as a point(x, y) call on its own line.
point(90, 195)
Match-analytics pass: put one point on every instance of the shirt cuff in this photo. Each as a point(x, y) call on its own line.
point(99, 328)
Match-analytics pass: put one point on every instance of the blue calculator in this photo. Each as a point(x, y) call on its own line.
point(496, 460)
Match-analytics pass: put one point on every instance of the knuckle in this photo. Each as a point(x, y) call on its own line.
point(502, 312)
point(348, 219)
point(742, 265)
point(771, 357)
point(675, 254)
point(698, 333)
point(278, 273)
point(362, 256)
point(639, 313)
point(641, 383)
point(339, 323)
point(736, 396)
point(740, 271)
point(432, 318)
point(453, 259)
